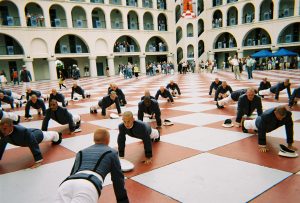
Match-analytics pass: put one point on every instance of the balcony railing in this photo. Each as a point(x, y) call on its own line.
point(99, 24)
point(10, 50)
point(147, 4)
point(115, 2)
point(133, 26)
point(283, 13)
point(288, 38)
point(78, 23)
point(148, 26)
point(117, 25)
point(57, 22)
point(10, 21)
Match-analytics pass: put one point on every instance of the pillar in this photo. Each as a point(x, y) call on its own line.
point(52, 68)
point(93, 66)
point(170, 58)
point(240, 53)
point(275, 9)
point(274, 48)
point(29, 67)
point(296, 8)
point(143, 64)
point(111, 65)
point(211, 56)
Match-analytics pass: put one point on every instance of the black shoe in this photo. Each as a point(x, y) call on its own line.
point(78, 124)
point(91, 111)
point(67, 102)
point(59, 140)
point(95, 111)
point(243, 127)
point(17, 105)
point(168, 100)
point(17, 121)
point(39, 113)
point(151, 117)
point(218, 106)
point(157, 139)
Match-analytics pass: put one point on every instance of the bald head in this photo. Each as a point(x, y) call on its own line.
point(147, 93)
point(162, 88)
point(101, 136)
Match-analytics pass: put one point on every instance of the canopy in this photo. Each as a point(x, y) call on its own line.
point(284, 52)
point(262, 54)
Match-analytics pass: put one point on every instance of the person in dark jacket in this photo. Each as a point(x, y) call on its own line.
point(77, 89)
point(106, 102)
point(173, 88)
point(247, 103)
point(26, 137)
point(214, 85)
point(163, 92)
point(151, 107)
point(11, 115)
point(25, 77)
point(36, 104)
point(9, 100)
point(234, 96)
point(147, 94)
point(276, 89)
point(222, 91)
point(58, 97)
point(62, 116)
point(137, 129)
point(264, 84)
point(268, 121)
point(30, 92)
point(90, 168)
point(11, 94)
point(120, 94)
point(294, 97)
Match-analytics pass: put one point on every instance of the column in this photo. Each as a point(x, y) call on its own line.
point(93, 66)
point(154, 4)
point(111, 65)
point(52, 68)
point(143, 64)
point(257, 12)
point(89, 20)
point(296, 8)
point(276, 10)
point(69, 19)
point(240, 53)
point(170, 58)
point(211, 56)
point(29, 67)
point(274, 48)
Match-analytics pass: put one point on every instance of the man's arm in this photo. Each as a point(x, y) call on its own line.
point(117, 102)
point(240, 112)
point(292, 98)
point(259, 107)
point(46, 121)
point(210, 89)
point(217, 94)
point(140, 113)
point(27, 108)
point(157, 95)
point(157, 114)
point(277, 92)
point(43, 108)
point(72, 93)
point(147, 143)
point(289, 129)
point(178, 89)
point(70, 120)
point(117, 178)
point(33, 146)
point(121, 141)
point(170, 96)
point(2, 147)
point(288, 89)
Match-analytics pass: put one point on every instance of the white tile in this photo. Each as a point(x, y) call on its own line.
point(199, 119)
point(211, 178)
point(107, 123)
point(193, 100)
point(203, 139)
point(194, 107)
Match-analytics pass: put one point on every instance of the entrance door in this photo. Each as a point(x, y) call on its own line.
point(100, 71)
point(12, 65)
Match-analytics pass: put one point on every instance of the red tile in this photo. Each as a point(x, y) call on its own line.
point(286, 191)
point(247, 150)
point(21, 158)
point(161, 156)
point(136, 193)
point(177, 127)
point(218, 125)
point(167, 113)
point(170, 105)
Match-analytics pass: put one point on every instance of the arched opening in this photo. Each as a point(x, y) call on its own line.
point(161, 4)
point(148, 21)
point(178, 34)
point(70, 44)
point(200, 27)
point(9, 46)
point(179, 54)
point(98, 18)
point(132, 21)
point(257, 36)
point(116, 19)
point(162, 22)
point(190, 30)
point(177, 13)
point(266, 10)
point(217, 19)
point(286, 8)
point(147, 4)
point(79, 17)
point(232, 16)
point(9, 14)
point(225, 40)
point(57, 16)
point(126, 43)
point(231, 1)
point(290, 34)
point(34, 15)
point(200, 48)
point(156, 44)
point(200, 7)
point(190, 51)
point(217, 2)
point(248, 13)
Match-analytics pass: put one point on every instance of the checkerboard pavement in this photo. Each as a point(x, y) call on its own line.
point(197, 160)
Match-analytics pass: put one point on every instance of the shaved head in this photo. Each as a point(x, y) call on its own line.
point(101, 136)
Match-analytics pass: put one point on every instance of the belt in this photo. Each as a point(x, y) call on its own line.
point(91, 173)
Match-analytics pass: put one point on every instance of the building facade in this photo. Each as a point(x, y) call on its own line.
point(96, 34)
